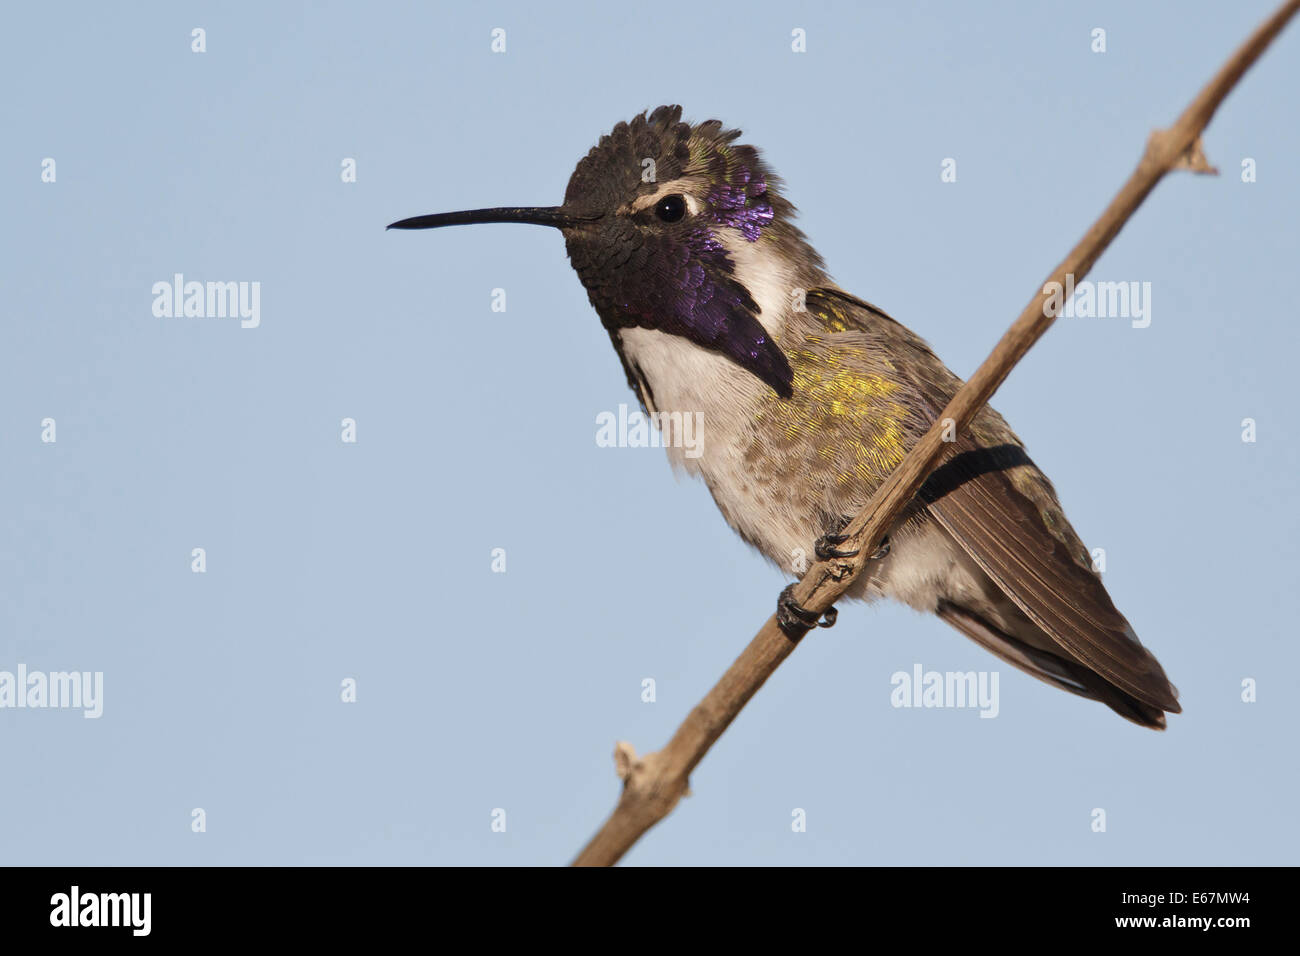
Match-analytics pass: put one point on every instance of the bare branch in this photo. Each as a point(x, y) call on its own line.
point(653, 784)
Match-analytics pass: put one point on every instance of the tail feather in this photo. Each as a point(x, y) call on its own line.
point(1059, 671)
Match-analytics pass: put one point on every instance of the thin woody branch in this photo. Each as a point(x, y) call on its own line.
point(654, 783)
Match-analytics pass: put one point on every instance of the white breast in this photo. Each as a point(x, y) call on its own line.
point(684, 377)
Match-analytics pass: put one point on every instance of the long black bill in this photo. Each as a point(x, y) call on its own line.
point(538, 215)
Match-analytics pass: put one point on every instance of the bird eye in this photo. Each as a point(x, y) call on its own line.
point(671, 208)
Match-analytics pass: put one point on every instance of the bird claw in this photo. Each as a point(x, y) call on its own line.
point(826, 549)
point(795, 620)
point(827, 546)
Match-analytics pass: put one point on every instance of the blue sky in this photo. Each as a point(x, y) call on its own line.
point(372, 561)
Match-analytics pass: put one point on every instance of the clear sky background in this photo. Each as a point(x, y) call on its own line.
point(476, 430)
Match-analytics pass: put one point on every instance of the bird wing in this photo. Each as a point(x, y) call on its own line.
point(1004, 513)
point(1000, 512)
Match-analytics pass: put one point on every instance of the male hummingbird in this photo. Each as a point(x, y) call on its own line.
point(717, 304)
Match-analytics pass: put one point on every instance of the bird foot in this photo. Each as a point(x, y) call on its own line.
point(795, 620)
point(827, 546)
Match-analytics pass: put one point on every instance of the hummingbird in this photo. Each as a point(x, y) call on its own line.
point(808, 397)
